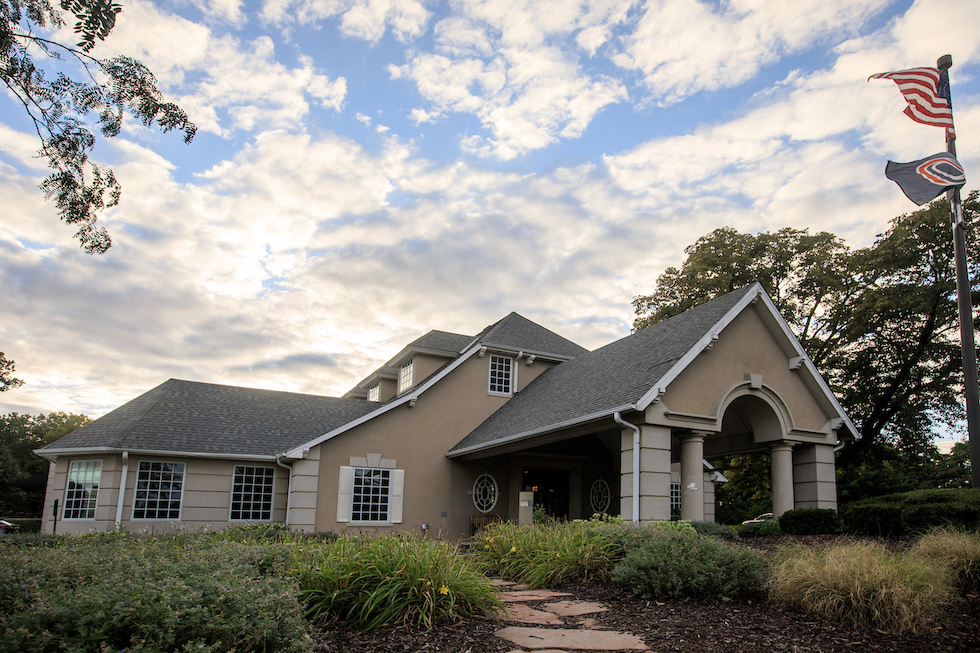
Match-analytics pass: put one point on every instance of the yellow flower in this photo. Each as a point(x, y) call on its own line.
point(513, 549)
point(486, 546)
point(444, 590)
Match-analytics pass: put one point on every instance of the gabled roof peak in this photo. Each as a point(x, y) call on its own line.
point(516, 332)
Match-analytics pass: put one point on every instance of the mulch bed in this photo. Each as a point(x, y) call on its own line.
point(709, 626)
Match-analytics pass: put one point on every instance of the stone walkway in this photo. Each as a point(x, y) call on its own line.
point(556, 613)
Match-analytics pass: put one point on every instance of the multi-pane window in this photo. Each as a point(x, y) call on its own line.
point(501, 371)
point(83, 489)
point(371, 495)
point(251, 493)
point(374, 392)
point(405, 376)
point(675, 501)
point(159, 488)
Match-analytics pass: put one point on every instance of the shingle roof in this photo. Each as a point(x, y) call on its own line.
point(442, 341)
point(206, 418)
point(602, 381)
point(519, 333)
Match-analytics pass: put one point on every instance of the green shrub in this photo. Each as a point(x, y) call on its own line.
point(809, 521)
point(913, 512)
point(959, 550)
point(714, 529)
point(761, 529)
point(676, 565)
point(863, 584)
point(366, 583)
point(117, 592)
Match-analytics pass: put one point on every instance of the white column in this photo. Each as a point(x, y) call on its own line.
point(692, 476)
point(782, 477)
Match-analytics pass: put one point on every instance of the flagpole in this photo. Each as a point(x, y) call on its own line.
point(965, 302)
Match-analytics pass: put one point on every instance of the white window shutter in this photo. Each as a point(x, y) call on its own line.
point(344, 493)
point(397, 492)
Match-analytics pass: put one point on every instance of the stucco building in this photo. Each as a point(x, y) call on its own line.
point(455, 426)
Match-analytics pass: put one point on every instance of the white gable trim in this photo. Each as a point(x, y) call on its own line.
point(409, 398)
point(801, 360)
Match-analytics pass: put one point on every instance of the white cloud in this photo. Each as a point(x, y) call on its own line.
point(510, 65)
point(209, 74)
point(681, 47)
point(364, 19)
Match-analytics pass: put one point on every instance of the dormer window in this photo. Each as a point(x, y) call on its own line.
point(374, 392)
point(501, 375)
point(405, 376)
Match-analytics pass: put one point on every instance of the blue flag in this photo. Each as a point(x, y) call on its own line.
point(922, 181)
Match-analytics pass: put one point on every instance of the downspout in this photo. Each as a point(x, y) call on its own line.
point(289, 489)
point(636, 464)
point(122, 488)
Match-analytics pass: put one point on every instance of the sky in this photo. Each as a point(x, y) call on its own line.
point(368, 170)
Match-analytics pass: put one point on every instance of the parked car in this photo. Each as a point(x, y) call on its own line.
point(761, 519)
point(7, 528)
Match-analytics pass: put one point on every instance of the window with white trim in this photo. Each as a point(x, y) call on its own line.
point(485, 493)
point(405, 376)
point(675, 501)
point(252, 492)
point(82, 491)
point(159, 490)
point(374, 392)
point(370, 495)
point(501, 375)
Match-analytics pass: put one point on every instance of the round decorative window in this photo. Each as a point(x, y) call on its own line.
point(600, 495)
point(485, 493)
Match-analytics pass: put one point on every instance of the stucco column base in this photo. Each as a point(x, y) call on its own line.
point(783, 498)
point(654, 480)
point(692, 476)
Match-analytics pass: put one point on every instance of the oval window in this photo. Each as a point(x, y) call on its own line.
point(485, 493)
point(600, 496)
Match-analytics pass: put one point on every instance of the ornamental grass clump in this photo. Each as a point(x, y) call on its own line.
point(116, 592)
point(366, 583)
point(959, 550)
point(862, 584)
point(682, 564)
point(552, 553)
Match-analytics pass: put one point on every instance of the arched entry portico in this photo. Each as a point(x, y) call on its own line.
point(751, 419)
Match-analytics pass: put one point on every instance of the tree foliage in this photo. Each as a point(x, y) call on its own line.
point(20, 435)
point(7, 380)
point(62, 108)
point(880, 323)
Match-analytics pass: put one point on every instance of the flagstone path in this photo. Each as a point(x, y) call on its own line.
point(556, 640)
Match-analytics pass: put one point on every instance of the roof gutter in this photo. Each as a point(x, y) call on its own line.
point(289, 489)
point(617, 416)
point(122, 488)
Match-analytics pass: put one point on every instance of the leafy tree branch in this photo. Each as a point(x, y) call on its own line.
point(64, 109)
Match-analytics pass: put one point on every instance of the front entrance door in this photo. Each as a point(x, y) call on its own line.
point(551, 489)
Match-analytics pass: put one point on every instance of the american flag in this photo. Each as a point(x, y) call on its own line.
point(927, 92)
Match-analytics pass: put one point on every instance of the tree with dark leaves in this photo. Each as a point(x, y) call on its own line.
point(62, 108)
point(7, 380)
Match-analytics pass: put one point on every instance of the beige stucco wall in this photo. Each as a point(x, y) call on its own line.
point(437, 490)
point(746, 346)
point(205, 503)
